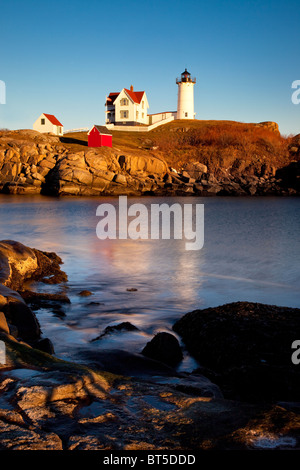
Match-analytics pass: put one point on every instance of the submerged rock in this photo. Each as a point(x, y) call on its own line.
point(124, 326)
point(85, 293)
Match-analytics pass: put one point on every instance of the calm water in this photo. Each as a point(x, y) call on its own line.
point(251, 252)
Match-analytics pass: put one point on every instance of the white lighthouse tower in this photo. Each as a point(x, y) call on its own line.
point(185, 104)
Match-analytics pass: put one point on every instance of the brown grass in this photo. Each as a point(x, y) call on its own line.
point(217, 144)
point(221, 144)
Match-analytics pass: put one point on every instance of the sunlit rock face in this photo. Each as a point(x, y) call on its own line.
point(34, 163)
point(18, 265)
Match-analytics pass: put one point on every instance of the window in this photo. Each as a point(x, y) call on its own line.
point(186, 114)
point(137, 115)
point(42, 122)
point(143, 104)
point(142, 115)
point(123, 114)
point(124, 102)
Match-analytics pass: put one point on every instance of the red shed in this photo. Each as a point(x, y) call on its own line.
point(99, 136)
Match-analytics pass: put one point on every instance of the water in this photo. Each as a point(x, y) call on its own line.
point(251, 252)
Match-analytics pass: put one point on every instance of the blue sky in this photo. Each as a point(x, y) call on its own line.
point(63, 58)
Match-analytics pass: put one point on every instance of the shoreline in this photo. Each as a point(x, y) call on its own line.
point(34, 163)
point(108, 410)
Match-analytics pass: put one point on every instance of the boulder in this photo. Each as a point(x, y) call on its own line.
point(21, 316)
point(246, 347)
point(164, 347)
point(121, 179)
point(19, 263)
point(3, 324)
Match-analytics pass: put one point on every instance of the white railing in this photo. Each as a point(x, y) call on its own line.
point(80, 129)
point(112, 127)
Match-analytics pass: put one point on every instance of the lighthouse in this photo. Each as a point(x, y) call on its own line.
point(185, 104)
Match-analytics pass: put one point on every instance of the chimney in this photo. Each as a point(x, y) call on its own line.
point(131, 87)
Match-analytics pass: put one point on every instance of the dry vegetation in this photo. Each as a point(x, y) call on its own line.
point(217, 144)
point(221, 144)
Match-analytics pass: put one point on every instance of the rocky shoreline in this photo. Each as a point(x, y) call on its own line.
point(244, 396)
point(34, 163)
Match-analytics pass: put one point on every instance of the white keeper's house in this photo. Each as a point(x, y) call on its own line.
point(128, 107)
point(48, 123)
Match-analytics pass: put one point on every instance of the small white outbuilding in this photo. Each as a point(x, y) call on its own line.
point(48, 123)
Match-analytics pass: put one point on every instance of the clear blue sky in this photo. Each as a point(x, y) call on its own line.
point(63, 58)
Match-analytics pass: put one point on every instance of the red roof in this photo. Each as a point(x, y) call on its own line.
point(53, 120)
point(136, 96)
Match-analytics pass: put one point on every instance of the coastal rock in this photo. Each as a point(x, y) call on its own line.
point(49, 404)
point(289, 176)
point(121, 179)
point(273, 126)
point(19, 263)
point(85, 293)
point(21, 316)
point(3, 323)
point(246, 348)
point(34, 163)
point(164, 347)
point(124, 326)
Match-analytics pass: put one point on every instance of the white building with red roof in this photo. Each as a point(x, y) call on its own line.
point(48, 123)
point(127, 107)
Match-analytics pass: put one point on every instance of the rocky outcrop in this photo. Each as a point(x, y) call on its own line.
point(270, 125)
point(18, 265)
point(289, 176)
point(49, 404)
point(31, 162)
point(246, 349)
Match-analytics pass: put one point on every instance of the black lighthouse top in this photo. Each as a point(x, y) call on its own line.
point(185, 77)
